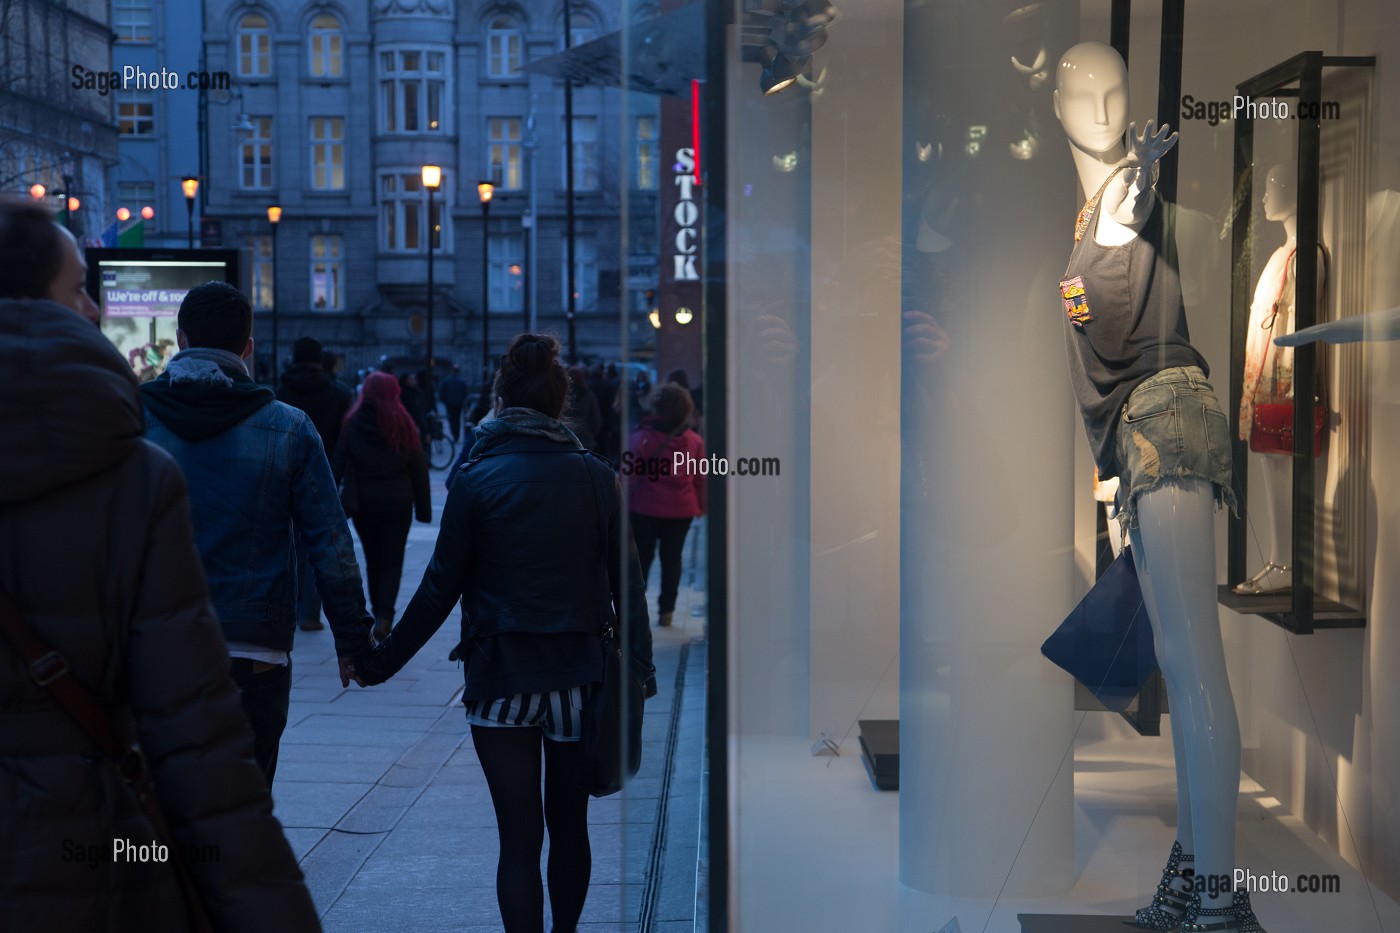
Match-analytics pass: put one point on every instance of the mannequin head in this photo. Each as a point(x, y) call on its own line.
point(1091, 97)
point(1281, 192)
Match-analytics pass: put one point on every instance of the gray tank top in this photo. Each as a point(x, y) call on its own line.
point(1124, 322)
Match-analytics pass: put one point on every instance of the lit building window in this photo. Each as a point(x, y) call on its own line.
point(585, 155)
point(254, 47)
point(504, 49)
point(503, 152)
point(328, 153)
point(403, 213)
point(646, 166)
point(131, 20)
point(412, 91)
point(506, 276)
point(585, 273)
point(326, 43)
point(136, 113)
point(260, 272)
point(255, 156)
point(327, 273)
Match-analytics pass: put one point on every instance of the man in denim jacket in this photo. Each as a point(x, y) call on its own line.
point(257, 474)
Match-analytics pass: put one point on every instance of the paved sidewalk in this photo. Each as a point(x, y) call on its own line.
point(385, 804)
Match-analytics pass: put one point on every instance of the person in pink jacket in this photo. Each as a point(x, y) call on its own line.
point(663, 500)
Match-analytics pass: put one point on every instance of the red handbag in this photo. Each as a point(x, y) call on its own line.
point(1271, 431)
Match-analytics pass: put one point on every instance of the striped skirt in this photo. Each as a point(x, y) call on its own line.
point(559, 713)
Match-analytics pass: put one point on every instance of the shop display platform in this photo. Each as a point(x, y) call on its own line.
point(1278, 608)
point(1125, 800)
point(879, 751)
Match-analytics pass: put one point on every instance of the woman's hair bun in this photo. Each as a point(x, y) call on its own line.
point(531, 375)
point(534, 353)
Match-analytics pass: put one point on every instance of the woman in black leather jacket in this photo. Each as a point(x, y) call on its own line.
point(532, 542)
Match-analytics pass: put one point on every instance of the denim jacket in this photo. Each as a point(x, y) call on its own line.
point(251, 488)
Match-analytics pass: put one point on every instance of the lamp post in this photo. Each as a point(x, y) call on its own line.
point(432, 179)
point(274, 217)
point(190, 185)
point(69, 202)
point(484, 190)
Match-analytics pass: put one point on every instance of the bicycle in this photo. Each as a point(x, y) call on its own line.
point(440, 449)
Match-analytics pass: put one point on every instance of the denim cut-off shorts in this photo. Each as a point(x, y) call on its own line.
point(1172, 427)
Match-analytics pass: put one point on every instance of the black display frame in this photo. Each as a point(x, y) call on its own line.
point(1301, 610)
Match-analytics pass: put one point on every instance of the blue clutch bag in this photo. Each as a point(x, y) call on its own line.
point(1106, 641)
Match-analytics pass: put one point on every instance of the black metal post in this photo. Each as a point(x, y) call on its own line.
point(485, 292)
point(189, 212)
point(428, 389)
point(68, 202)
point(525, 277)
point(572, 305)
point(714, 320)
point(274, 302)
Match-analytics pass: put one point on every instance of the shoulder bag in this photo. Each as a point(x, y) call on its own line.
point(1271, 431)
point(608, 755)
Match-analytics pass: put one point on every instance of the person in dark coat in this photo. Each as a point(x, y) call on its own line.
point(453, 393)
point(414, 402)
point(381, 451)
point(97, 553)
point(306, 385)
point(533, 544)
point(259, 486)
point(581, 411)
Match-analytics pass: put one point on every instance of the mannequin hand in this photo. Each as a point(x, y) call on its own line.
point(1129, 200)
point(1149, 146)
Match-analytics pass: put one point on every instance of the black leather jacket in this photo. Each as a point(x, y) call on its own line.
point(532, 542)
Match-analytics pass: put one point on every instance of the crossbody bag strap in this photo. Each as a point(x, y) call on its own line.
point(49, 670)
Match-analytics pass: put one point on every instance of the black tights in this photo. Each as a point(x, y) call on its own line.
point(510, 757)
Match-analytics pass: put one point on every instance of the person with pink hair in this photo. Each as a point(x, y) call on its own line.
point(383, 473)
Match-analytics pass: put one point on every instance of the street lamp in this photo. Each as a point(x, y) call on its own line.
point(432, 180)
point(190, 185)
point(274, 217)
point(484, 190)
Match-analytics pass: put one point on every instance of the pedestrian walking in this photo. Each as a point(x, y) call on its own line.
point(414, 402)
point(99, 563)
point(381, 459)
point(532, 542)
point(453, 393)
point(664, 500)
point(307, 385)
point(252, 463)
point(581, 410)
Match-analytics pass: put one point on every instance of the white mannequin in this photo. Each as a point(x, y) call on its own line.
point(1275, 526)
point(1174, 545)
